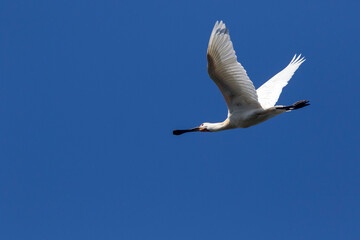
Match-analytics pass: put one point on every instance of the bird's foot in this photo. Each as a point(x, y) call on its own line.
point(297, 105)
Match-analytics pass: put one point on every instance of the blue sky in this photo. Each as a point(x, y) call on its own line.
point(90, 92)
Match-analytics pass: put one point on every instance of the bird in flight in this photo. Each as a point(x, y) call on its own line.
point(246, 106)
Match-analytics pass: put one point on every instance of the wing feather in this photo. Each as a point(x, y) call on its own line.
point(228, 74)
point(270, 91)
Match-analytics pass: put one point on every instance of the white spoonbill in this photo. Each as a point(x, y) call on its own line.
point(246, 106)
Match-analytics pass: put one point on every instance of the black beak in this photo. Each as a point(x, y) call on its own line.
point(179, 132)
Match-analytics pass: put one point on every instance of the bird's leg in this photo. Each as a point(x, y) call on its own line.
point(297, 105)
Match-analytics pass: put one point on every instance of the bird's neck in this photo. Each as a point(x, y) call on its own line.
point(220, 126)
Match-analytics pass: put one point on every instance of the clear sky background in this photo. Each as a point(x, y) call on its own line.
point(90, 92)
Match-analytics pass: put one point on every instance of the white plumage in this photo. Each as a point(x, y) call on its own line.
point(270, 91)
point(246, 106)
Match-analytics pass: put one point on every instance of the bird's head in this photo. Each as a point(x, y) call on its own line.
point(205, 127)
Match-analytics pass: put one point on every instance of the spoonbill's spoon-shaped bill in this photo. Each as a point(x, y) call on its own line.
point(246, 106)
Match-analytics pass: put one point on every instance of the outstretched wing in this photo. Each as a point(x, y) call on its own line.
point(270, 91)
point(228, 74)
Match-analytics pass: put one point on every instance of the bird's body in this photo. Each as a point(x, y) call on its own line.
point(246, 106)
